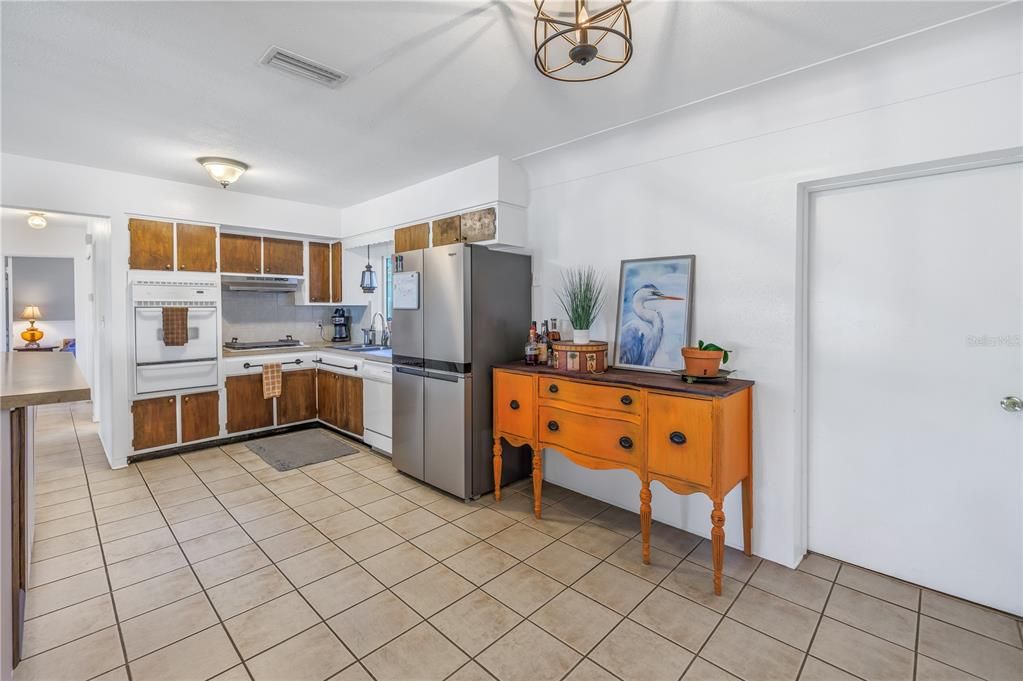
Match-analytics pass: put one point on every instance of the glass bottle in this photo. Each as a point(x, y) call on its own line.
point(543, 346)
point(532, 349)
point(554, 334)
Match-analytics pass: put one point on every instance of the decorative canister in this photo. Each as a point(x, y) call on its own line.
point(586, 358)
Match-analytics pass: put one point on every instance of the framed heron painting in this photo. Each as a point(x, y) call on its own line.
point(655, 304)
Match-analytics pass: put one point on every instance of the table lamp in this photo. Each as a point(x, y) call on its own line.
point(31, 335)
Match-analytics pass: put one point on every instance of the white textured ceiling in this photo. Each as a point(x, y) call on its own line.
point(145, 87)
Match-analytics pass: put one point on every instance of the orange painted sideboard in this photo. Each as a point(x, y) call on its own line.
point(690, 438)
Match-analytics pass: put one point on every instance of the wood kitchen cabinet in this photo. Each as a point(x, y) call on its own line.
point(327, 402)
point(339, 401)
point(351, 404)
point(319, 272)
point(155, 422)
point(197, 248)
point(200, 416)
point(479, 225)
point(335, 271)
point(240, 254)
point(282, 256)
point(447, 230)
point(151, 245)
point(298, 397)
point(412, 238)
point(246, 408)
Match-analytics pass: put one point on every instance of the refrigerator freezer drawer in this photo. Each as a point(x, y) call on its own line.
point(178, 376)
point(407, 426)
point(448, 416)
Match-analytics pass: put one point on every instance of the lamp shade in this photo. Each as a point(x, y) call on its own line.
point(31, 312)
point(223, 170)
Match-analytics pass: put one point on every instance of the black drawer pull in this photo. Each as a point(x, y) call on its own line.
point(514, 404)
point(552, 388)
point(626, 400)
point(677, 438)
point(625, 441)
point(552, 425)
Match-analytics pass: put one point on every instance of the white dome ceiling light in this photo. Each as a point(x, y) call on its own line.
point(225, 171)
point(36, 220)
point(575, 45)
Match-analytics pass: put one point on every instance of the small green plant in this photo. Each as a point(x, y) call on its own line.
point(581, 295)
point(714, 348)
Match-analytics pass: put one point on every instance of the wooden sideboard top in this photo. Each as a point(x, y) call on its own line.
point(639, 379)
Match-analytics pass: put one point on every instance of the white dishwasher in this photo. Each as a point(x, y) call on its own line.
point(376, 405)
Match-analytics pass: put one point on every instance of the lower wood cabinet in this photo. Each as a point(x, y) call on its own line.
point(200, 416)
point(298, 397)
point(339, 401)
point(351, 400)
point(246, 408)
point(155, 421)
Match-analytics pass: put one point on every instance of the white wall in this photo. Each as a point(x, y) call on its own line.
point(719, 180)
point(63, 187)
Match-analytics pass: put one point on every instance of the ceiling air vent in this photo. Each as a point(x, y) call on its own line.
point(301, 66)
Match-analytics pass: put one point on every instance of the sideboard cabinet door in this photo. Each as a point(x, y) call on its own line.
point(680, 437)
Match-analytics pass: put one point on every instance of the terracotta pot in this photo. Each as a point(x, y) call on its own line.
point(702, 362)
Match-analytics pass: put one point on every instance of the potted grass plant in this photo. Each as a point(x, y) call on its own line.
point(582, 297)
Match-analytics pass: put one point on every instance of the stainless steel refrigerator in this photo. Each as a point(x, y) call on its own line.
point(458, 310)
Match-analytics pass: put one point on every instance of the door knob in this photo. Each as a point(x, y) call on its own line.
point(1012, 403)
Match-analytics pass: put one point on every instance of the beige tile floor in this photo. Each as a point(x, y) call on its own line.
point(213, 565)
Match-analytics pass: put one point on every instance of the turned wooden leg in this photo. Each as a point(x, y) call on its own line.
point(644, 519)
point(747, 515)
point(717, 536)
point(537, 480)
point(497, 468)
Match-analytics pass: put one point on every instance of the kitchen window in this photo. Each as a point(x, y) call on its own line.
point(388, 267)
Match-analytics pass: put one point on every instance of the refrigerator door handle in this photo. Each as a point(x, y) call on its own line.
point(445, 376)
point(411, 372)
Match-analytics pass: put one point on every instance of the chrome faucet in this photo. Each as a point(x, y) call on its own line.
point(385, 335)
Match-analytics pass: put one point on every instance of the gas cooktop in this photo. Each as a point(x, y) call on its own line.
point(289, 342)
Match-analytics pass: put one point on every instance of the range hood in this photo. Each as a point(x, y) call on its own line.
point(263, 284)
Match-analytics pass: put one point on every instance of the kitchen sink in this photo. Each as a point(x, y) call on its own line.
point(361, 348)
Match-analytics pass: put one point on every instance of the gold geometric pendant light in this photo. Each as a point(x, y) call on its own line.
point(574, 45)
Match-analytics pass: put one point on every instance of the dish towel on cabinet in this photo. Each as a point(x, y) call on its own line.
point(271, 380)
point(175, 325)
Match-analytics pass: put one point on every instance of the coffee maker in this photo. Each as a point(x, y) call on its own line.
point(340, 321)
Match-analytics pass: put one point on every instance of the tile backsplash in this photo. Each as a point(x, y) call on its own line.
point(253, 316)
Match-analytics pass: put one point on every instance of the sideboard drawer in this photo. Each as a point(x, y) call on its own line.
point(622, 399)
point(680, 436)
point(602, 437)
point(514, 404)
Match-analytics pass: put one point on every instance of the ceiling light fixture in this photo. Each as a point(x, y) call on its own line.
point(223, 170)
point(36, 220)
point(369, 277)
point(582, 46)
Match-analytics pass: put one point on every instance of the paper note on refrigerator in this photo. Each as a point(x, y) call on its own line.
point(406, 290)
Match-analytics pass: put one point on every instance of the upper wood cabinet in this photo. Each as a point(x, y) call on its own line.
point(240, 254)
point(282, 256)
point(298, 396)
point(335, 271)
point(155, 422)
point(152, 245)
point(319, 272)
point(447, 230)
point(197, 248)
point(200, 416)
point(479, 225)
point(412, 238)
point(246, 407)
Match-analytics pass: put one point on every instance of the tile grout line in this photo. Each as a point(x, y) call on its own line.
point(106, 572)
point(209, 601)
point(817, 626)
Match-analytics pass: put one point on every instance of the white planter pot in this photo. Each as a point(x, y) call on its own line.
point(580, 335)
